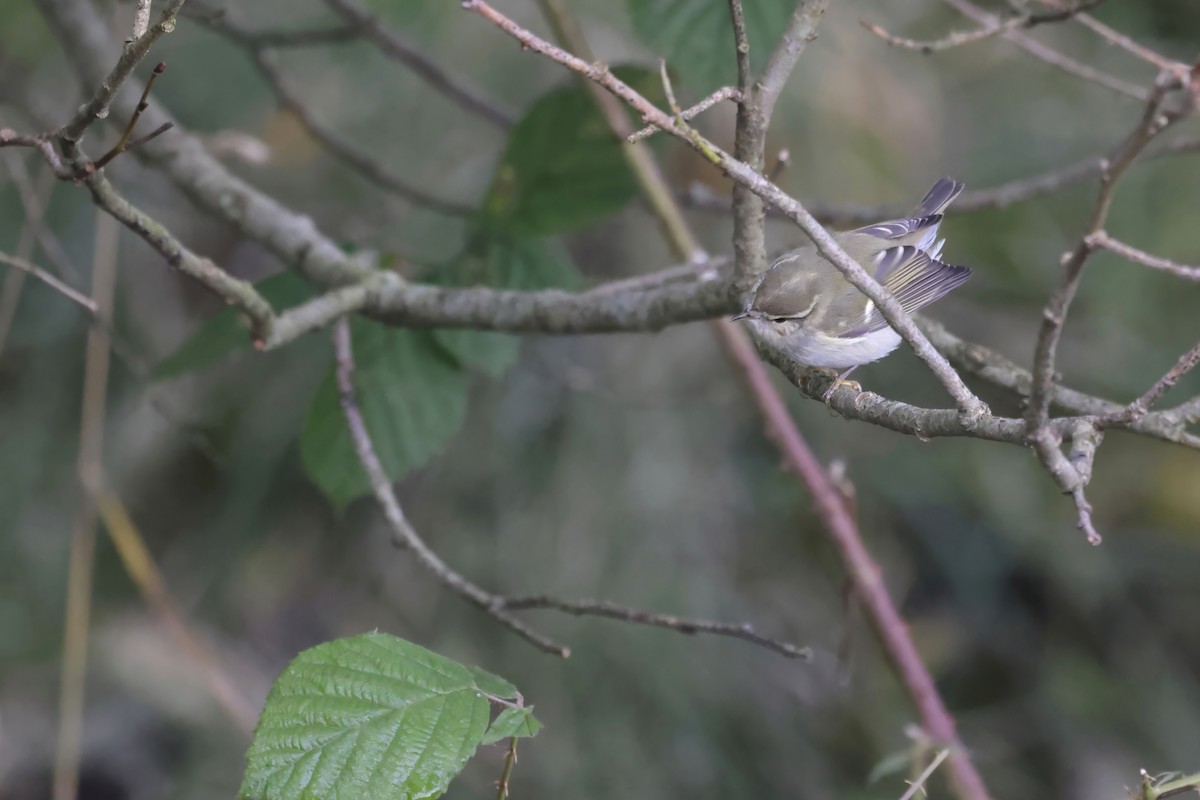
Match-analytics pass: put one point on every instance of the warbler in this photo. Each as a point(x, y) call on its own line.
point(806, 306)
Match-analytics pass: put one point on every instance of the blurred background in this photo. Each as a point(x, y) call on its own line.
point(626, 467)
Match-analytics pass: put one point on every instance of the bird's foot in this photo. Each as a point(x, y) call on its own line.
point(838, 379)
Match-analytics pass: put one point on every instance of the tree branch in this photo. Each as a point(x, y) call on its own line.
point(993, 28)
point(392, 45)
point(1049, 55)
point(364, 164)
point(403, 533)
point(971, 406)
point(1103, 240)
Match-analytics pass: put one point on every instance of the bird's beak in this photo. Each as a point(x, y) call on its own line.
point(742, 315)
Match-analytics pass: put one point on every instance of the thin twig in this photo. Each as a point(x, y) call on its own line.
point(54, 283)
point(1102, 239)
point(1127, 44)
point(700, 198)
point(276, 37)
point(40, 142)
point(1048, 54)
point(395, 47)
point(403, 533)
point(1154, 120)
point(1138, 408)
point(363, 163)
point(741, 48)
point(124, 143)
point(97, 106)
point(997, 26)
point(230, 289)
point(604, 608)
point(724, 93)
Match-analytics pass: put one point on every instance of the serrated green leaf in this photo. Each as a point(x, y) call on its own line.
point(225, 332)
point(511, 722)
point(696, 36)
point(412, 397)
point(563, 169)
point(503, 262)
point(368, 716)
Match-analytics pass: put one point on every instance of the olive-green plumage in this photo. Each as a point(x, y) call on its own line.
point(807, 305)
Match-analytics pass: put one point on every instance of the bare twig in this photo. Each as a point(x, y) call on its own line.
point(1048, 54)
point(395, 47)
point(724, 93)
point(40, 142)
point(1138, 408)
point(403, 533)
point(1000, 196)
point(1127, 44)
point(277, 37)
point(45, 277)
point(1102, 239)
point(97, 107)
point(124, 143)
point(605, 608)
point(997, 26)
point(230, 289)
point(363, 163)
point(1154, 120)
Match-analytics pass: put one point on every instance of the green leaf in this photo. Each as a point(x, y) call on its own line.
point(696, 36)
point(492, 685)
point(503, 262)
point(518, 722)
point(225, 332)
point(412, 397)
point(562, 169)
point(368, 716)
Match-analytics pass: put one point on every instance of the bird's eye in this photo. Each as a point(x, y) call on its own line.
point(780, 319)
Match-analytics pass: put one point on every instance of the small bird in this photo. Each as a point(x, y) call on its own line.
point(807, 307)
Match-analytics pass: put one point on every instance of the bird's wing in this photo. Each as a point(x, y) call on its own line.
point(913, 277)
point(941, 195)
point(925, 219)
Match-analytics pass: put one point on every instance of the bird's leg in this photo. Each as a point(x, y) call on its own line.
point(838, 381)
